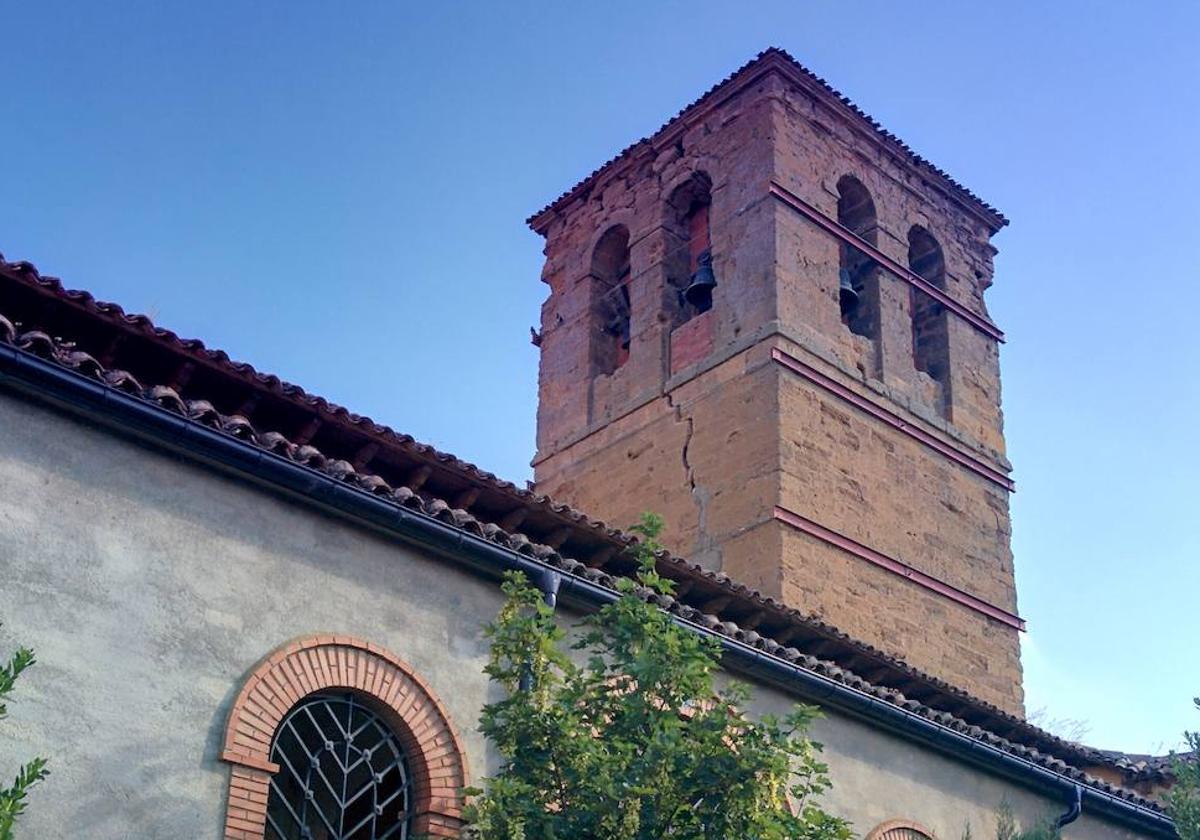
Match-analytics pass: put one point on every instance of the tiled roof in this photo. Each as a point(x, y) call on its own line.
point(1146, 768)
point(128, 353)
point(773, 57)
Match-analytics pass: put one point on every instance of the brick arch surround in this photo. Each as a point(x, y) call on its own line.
point(317, 663)
point(900, 830)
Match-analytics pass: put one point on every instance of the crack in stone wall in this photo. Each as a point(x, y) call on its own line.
point(707, 549)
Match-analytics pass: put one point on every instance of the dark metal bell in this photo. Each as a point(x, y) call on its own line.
point(847, 296)
point(699, 291)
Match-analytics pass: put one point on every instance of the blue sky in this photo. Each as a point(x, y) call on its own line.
point(336, 193)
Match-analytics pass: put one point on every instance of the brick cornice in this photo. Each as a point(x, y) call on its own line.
point(843, 234)
point(872, 408)
point(898, 567)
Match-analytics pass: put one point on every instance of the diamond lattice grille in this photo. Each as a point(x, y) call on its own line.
point(342, 775)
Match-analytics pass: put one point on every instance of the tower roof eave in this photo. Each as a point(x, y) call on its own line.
point(774, 59)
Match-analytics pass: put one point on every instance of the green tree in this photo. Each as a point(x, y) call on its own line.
point(636, 743)
point(12, 799)
point(1008, 829)
point(1183, 800)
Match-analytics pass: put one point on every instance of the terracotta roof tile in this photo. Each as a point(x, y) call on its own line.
point(1146, 768)
point(923, 694)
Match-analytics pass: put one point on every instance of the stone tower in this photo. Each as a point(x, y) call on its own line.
point(824, 424)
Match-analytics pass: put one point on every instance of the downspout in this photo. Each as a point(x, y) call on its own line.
point(547, 582)
point(1072, 813)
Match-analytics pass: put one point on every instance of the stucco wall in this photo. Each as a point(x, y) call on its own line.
point(878, 777)
point(150, 587)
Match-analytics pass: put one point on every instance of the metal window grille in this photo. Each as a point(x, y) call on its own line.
point(342, 775)
point(900, 832)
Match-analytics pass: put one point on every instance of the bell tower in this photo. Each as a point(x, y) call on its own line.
point(766, 323)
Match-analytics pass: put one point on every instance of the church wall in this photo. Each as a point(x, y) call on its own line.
point(878, 778)
point(151, 587)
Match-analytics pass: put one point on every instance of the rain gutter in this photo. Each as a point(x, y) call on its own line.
point(134, 417)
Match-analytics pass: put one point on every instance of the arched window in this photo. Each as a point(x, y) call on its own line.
point(610, 309)
point(332, 738)
point(858, 276)
point(343, 774)
point(930, 322)
point(900, 830)
point(689, 249)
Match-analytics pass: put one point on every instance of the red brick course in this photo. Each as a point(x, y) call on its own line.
point(691, 342)
point(316, 663)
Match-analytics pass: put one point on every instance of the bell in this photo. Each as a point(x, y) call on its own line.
point(847, 296)
point(699, 291)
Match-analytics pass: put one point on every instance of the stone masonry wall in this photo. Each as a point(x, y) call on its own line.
point(701, 456)
point(857, 476)
point(929, 632)
point(814, 150)
point(874, 484)
point(703, 427)
point(733, 148)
